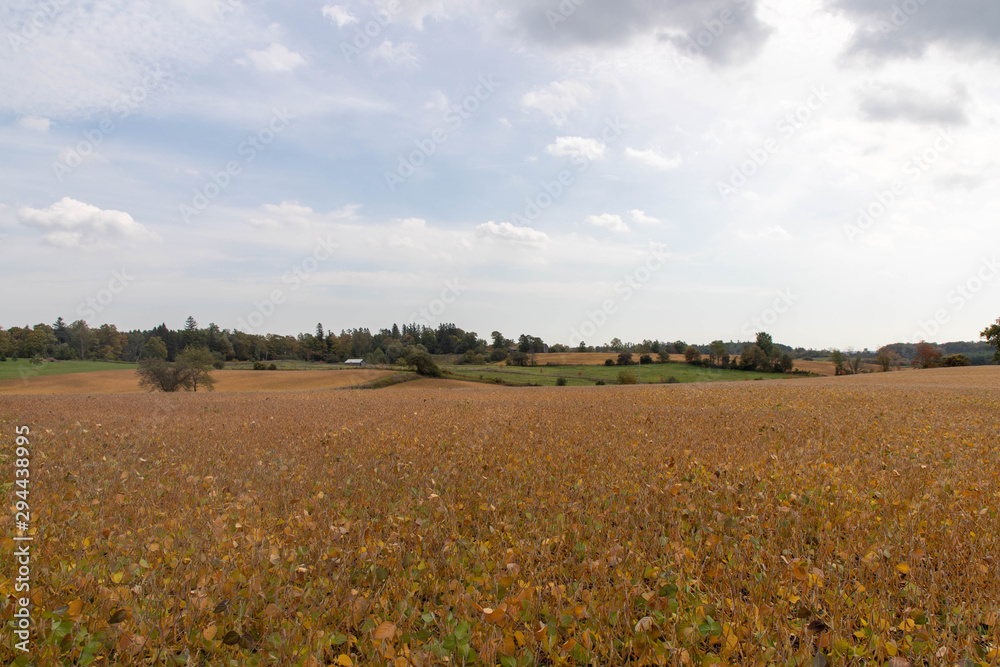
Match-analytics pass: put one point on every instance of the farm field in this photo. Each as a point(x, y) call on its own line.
point(732, 523)
point(22, 368)
point(587, 375)
point(598, 359)
point(122, 381)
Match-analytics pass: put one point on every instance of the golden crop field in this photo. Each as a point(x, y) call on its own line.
point(847, 521)
point(126, 381)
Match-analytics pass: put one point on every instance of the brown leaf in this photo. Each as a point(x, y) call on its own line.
point(221, 607)
point(385, 631)
point(232, 637)
point(118, 617)
point(817, 626)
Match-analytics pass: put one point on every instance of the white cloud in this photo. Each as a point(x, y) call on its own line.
point(641, 218)
point(405, 55)
point(505, 231)
point(287, 213)
point(653, 159)
point(772, 233)
point(557, 99)
point(592, 149)
point(411, 223)
point(339, 14)
point(34, 123)
point(275, 58)
point(438, 101)
point(608, 221)
point(294, 214)
point(72, 224)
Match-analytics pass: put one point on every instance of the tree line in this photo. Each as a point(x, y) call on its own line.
point(78, 340)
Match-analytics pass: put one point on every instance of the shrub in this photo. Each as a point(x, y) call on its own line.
point(3, 357)
point(600, 383)
point(272, 367)
point(609, 362)
point(673, 380)
point(956, 360)
point(627, 377)
point(259, 366)
point(561, 382)
point(645, 359)
point(423, 363)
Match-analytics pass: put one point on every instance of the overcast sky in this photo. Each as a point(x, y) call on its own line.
point(690, 169)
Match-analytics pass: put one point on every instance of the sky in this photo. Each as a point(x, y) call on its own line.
point(824, 170)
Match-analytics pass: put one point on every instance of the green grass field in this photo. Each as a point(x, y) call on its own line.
point(22, 368)
point(588, 375)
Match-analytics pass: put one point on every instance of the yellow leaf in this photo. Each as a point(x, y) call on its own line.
point(904, 568)
point(75, 607)
point(345, 660)
point(209, 632)
point(117, 577)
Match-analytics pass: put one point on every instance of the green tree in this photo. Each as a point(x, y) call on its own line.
point(625, 358)
point(766, 343)
point(956, 360)
point(753, 358)
point(155, 349)
point(190, 332)
point(197, 363)
point(691, 354)
point(423, 363)
point(720, 353)
point(992, 336)
point(786, 364)
point(886, 358)
point(837, 357)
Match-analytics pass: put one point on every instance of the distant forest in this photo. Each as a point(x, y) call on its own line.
point(78, 340)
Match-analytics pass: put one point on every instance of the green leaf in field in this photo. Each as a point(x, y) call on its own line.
point(668, 591)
